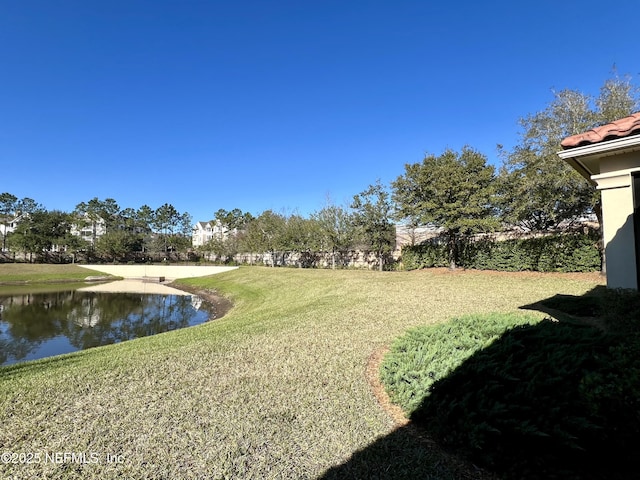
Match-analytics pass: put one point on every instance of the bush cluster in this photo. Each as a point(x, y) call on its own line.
point(566, 252)
point(427, 354)
point(525, 398)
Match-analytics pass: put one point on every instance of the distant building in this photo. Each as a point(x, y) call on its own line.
point(204, 232)
point(89, 230)
point(8, 227)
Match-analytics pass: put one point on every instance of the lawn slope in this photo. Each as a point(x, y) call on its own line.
point(275, 389)
point(32, 273)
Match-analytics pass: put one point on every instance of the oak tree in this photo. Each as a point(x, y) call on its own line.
point(452, 191)
point(538, 190)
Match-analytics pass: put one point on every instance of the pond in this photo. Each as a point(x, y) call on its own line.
point(39, 325)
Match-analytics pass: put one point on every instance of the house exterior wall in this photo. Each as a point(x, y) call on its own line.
point(610, 165)
point(614, 183)
point(617, 228)
point(622, 163)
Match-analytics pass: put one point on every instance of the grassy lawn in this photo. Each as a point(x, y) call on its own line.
point(39, 273)
point(275, 389)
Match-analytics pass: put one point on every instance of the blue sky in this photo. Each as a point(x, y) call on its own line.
point(277, 104)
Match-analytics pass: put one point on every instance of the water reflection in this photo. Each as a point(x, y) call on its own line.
point(38, 325)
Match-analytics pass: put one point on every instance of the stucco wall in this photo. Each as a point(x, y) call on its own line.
point(614, 182)
point(619, 238)
point(620, 162)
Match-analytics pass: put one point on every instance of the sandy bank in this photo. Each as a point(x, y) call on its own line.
point(221, 305)
point(169, 272)
point(134, 286)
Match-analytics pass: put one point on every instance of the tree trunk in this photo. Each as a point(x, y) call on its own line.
point(452, 251)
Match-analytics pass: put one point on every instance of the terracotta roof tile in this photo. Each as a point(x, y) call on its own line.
point(620, 128)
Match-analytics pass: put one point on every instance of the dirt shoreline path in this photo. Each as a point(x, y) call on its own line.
point(134, 286)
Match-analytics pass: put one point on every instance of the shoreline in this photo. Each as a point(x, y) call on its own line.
point(221, 305)
point(133, 285)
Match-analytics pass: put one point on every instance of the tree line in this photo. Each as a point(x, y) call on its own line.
point(458, 192)
point(99, 229)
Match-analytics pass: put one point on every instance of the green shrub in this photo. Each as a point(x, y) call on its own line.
point(426, 255)
point(567, 252)
point(527, 399)
point(585, 306)
point(427, 354)
point(617, 309)
point(621, 310)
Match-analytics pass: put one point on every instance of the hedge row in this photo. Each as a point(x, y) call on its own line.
point(566, 252)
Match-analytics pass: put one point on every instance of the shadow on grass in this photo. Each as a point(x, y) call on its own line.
point(404, 454)
point(558, 399)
